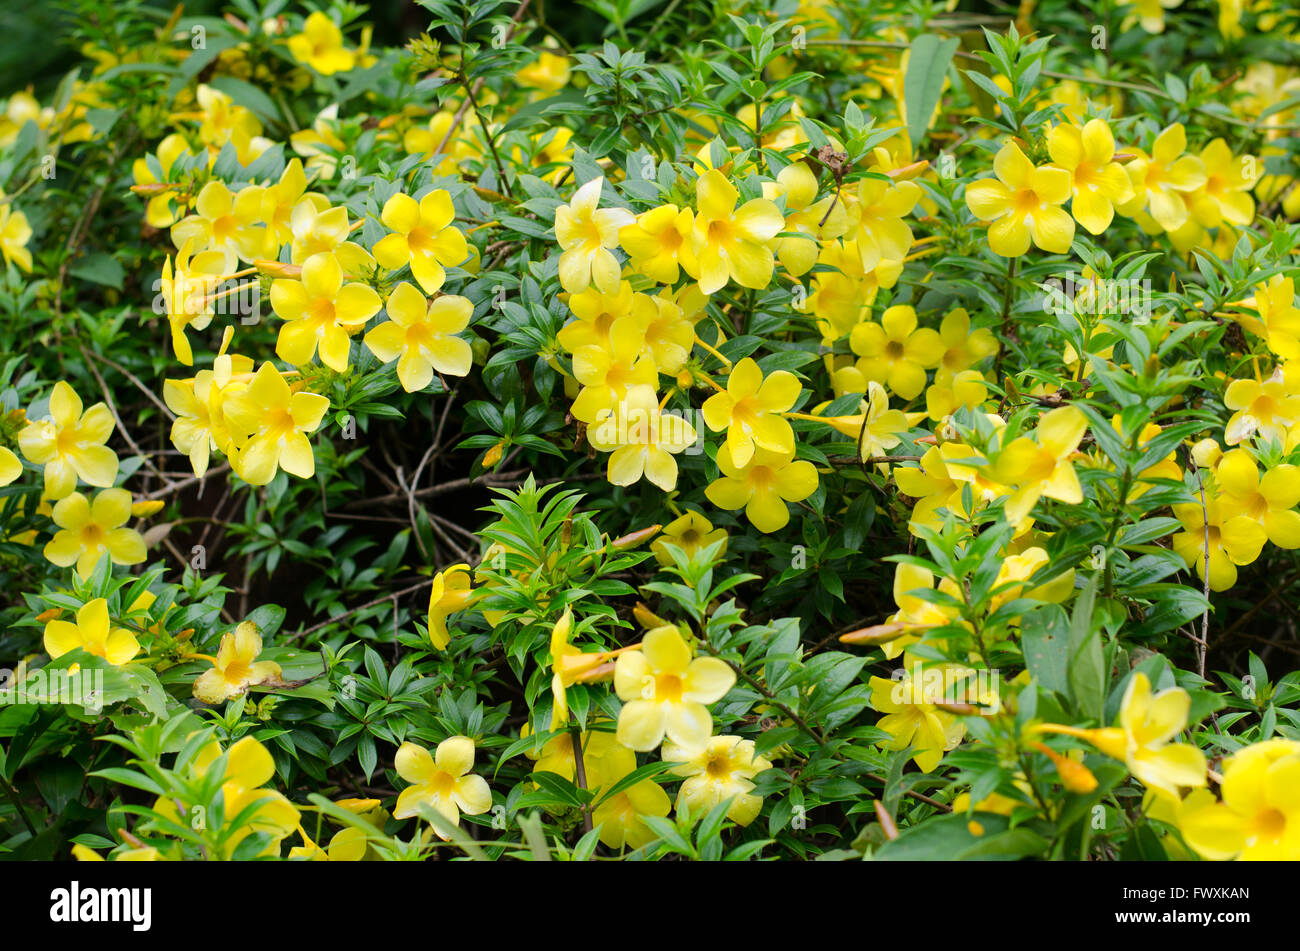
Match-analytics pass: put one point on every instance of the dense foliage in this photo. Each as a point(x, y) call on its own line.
point(677, 430)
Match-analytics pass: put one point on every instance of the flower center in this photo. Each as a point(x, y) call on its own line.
point(762, 478)
point(1269, 824)
point(668, 687)
point(720, 232)
point(443, 783)
point(419, 241)
point(321, 311)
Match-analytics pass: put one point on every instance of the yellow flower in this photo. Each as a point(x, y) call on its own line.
point(664, 692)
point(278, 202)
point(1151, 14)
point(750, 411)
point(952, 392)
point(1147, 723)
point(442, 782)
point(1269, 500)
point(669, 330)
point(896, 352)
point(185, 294)
point(276, 422)
point(569, 666)
point(1041, 466)
point(730, 243)
point(236, 667)
point(1225, 196)
point(641, 440)
point(318, 228)
point(933, 486)
point(346, 845)
point(1017, 568)
point(162, 210)
point(875, 427)
point(221, 121)
point(225, 221)
point(146, 854)
point(659, 241)
point(70, 444)
point(421, 335)
point(876, 220)
point(619, 816)
point(1023, 204)
point(249, 767)
point(11, 467)
point(962, 347)
point(320, 143)
point(607, 373)
point(605, 760)
point(1233, 539)
point(1278, 322)
point(1267, 409)
point(191, 432)
point(763, 486)
point(320, 46)
point(93, 634)
point(1097, 181)
point(690, 532)
point(1259, 817)
point(320, 311)
point(425, 141)
point(911, 717)
point(719, 769)
point(549, 73)
point(804, 216)
point(838, 298)
point(450, 593)
point(596, 312)
point(586, 233)
point(1160, 180)
point(423, 237)
point(90, 531)
point(15, 232)
point(916, 614)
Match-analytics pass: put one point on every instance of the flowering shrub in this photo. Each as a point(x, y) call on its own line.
point(700, 430)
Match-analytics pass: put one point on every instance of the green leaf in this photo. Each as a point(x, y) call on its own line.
point(927, 64)
point(1087, 669)
point(99, 269)
point(1045, 640)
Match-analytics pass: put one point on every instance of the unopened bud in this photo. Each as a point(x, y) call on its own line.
point(1075, 776)
point(276, 269)
point(647, 618)
point(1207, 453)
point(876, 634)
point(633, 539)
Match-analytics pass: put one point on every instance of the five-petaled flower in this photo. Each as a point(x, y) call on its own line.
point(441, 781)
point(664, 692)
point(236, 667)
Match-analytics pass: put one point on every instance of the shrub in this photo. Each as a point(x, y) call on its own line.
point(697, 430)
